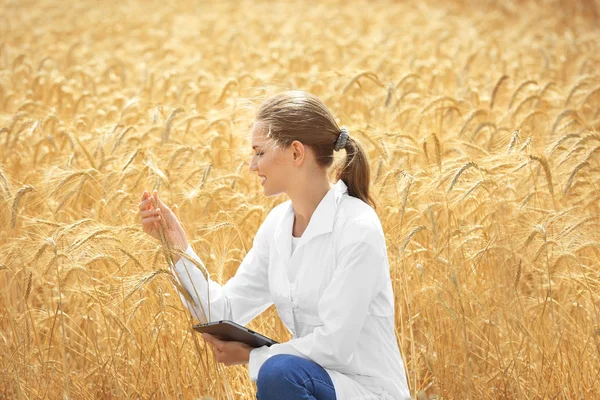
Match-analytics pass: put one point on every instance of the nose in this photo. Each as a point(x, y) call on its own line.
point(253, 166)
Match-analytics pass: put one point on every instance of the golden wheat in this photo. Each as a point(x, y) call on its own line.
point(495, 272)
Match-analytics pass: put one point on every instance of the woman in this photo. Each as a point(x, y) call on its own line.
point(320, 257)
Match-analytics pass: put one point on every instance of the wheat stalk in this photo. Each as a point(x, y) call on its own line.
point(409, 237)
point(365, 74)
point(573, 174)
point(497, 86)
point(521, 87)
point(4, 182)
point(15, 205)
point(544, 163)
point(459, 173)
point(166, 133)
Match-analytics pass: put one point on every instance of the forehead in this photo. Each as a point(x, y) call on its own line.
point(258, 134)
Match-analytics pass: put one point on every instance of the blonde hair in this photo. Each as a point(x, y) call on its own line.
point(301, 116)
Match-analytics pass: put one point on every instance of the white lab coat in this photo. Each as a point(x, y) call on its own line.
point(339, 308)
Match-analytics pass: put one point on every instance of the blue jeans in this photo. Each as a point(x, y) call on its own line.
point(293, 378)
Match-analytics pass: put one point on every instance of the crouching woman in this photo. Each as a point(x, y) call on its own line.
point(320, 257)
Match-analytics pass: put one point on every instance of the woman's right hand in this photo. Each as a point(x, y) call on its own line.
point(154, 212)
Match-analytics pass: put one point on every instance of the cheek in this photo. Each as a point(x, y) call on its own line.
point(264, 166)
point(271, 164)
point(261, 163)
point(266, 162)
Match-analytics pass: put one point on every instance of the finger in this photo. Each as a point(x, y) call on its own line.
point(150, 213)
point(151, 222)
point(214, 341)
point(209, 338)
point(146, 204)
point(145, 195)
point(159, 202)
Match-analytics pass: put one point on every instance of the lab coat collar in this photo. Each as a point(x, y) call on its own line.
point(321, 221)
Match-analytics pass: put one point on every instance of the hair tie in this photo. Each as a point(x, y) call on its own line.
point(342, 138)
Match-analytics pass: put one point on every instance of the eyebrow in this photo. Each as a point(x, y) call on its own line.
point(254, 147)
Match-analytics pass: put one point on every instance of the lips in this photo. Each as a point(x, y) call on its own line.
point(262, 179)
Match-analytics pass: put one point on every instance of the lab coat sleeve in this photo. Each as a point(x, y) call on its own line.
point(241, 299)
point(361, 273)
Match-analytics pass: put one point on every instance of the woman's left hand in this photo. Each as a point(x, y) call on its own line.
point(229, 353)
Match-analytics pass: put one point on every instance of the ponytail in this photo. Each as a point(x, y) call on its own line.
point(355, 172)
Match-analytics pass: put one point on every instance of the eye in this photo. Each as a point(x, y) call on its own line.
point(259, 154)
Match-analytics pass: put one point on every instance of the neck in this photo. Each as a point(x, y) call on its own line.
point(306, 196)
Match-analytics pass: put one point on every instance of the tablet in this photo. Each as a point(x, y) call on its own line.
point(230, 331)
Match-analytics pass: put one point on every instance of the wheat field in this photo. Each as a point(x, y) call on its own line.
point(481, 123)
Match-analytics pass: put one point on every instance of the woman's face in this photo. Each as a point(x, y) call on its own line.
point(270, 163)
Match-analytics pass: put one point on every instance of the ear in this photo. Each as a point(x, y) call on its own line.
point(298, 152)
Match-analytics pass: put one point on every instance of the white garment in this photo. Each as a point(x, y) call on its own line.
point(339, 309)
point(293, 267)
point(295, 241)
